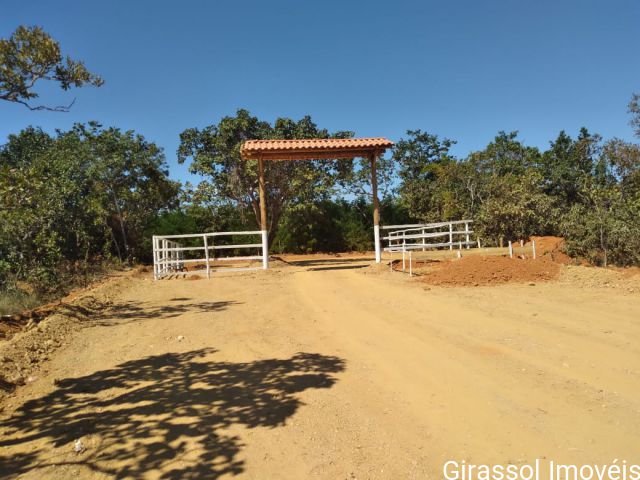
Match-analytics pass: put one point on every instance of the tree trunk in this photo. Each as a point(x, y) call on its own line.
point(121, 221)
point(115, 242)
point(603, 246)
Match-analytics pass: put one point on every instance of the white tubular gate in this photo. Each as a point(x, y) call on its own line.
point(168, 254)
point(403, 238)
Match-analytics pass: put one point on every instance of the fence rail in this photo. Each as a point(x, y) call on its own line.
point(403, 238)
point(168, 254)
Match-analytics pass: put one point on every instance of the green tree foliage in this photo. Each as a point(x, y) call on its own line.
point(77, 197)
point(634, 110)
point(215, 152)
point(30, 55)
point(583, 189)
point(334, 226)
point(423, 161)
point(566, 163)
point(604, 226)
point(497, 186)
point(70, 199)
point(515, 208)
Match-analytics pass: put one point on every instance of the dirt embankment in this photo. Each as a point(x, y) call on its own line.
point(31, 337)
point(476, 270)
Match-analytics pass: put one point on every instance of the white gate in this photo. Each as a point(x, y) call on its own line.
point(169, 254)
point(404, 238)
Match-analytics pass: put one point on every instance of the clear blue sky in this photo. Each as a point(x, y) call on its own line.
point(464, 69)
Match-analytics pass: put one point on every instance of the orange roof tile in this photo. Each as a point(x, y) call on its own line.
point(313, 148)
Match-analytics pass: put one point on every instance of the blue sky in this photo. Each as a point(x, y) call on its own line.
point(462, 69)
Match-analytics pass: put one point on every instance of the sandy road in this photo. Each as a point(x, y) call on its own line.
point(323, 369)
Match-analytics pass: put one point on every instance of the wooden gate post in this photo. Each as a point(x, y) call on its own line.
point(376, 207)
point(263, 214)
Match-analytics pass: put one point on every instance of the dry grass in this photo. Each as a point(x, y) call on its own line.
point(15, 301)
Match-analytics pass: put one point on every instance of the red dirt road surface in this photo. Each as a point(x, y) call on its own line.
point(323, 368)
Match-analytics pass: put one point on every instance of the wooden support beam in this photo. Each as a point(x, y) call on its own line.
point(376, 206)
point(263, 214)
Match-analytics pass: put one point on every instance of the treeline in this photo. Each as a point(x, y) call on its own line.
point(584, 189)
point(72, 202)
point(77, 199)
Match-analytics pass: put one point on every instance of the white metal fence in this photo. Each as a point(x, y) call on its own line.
point(169, 255)
point(403, 238)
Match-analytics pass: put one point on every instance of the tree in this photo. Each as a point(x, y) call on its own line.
point(215, 152)
point(30, 55)
point(566, 163)
point(516, 208)
point(71, 199)
point(507, 155)
point(356, 180)
point(604, 226)
point(634, 110)
point(421, 159)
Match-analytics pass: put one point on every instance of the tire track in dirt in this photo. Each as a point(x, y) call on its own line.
point(489, 384)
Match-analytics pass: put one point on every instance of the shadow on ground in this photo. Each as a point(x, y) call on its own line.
point(132, 310)
point(167, 413)
point(331, 263)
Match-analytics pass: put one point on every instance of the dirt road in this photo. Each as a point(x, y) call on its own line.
point(330, 369)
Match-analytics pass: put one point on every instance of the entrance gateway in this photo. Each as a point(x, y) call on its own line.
point(315, 149)
point(169, 255)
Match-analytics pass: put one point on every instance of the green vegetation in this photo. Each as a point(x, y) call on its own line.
point(79, 200)
point(74, 201)
point(584, 189)
point(95, 195)
point(30, 55)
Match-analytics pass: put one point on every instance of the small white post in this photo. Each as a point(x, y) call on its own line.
point(521, 243)
point(466, 230)
point(165, 262)
point(410, 265)
point(404, 262)
point(510, 250)
point(424, 242)
point(265, 249)
point(479, 242)
point(533, 245)
point(404, 242)
point(459, 254)
point(206, 254)
point(450, 236)
point(376, 239)
point(459, 245)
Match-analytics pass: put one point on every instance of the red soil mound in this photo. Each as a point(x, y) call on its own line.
point(553, 247)
point(476, 270)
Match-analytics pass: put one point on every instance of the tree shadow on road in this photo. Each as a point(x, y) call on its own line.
point(132, 310)
point(320, 264)
point(166, 413)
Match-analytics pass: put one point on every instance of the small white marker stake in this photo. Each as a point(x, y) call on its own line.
point(533, 245)
point(510, 249)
